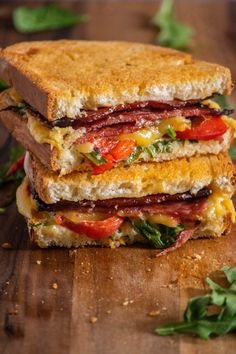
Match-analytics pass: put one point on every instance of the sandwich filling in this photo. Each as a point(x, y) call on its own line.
point(125, 134)
point(163, 221)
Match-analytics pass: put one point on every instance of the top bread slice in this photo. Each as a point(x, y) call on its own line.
point(60, 78)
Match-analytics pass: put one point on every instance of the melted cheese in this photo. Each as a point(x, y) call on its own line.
point(145, 137)
point(230, 122)
point(163, 219)
point(25, 203)
point(211, 104)
point(219, 204)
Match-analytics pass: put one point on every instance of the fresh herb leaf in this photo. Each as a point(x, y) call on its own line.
point(3, 85)
point(171, 133)
point(95, 157)
point(196, 319)
point(172, 33)
point(2, 210)
point(48, 17)
point(160, 236)
point(14, 154)
point(134, 156)
point(222, 101)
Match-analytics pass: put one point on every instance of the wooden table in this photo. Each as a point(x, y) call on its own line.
point(49, 298)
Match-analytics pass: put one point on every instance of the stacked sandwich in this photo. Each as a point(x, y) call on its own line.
point(124, 141)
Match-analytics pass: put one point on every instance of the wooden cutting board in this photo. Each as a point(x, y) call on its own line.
point(100, 301)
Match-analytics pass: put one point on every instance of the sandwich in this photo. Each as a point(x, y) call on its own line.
point(94, 106)
point(124, 141)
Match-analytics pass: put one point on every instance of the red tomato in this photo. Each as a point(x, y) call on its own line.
point(123, 149)
point(97, 230)
point(16, 166)
point(208, 129)
point(105, 166)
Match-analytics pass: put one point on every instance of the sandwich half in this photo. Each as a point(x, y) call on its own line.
point(160, 204)
point(93, 106)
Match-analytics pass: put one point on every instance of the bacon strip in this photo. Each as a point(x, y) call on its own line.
point(183, 237)
point(117, 204)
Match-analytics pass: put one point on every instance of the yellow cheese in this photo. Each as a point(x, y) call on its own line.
point(219, 204)
point(211, 104)
point(230, 122)
point(25, 203)
point(163, 219)
point(145, 137)
point(76, 216)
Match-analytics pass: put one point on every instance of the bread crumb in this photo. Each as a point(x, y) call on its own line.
point(125, 303)
point(93, 319)
point(197, 256)
point(164, 308)
point(108, 311)
point(154, 313)
point(38, 262)
point(54, 286)
point(6, 245)
point(148, 270)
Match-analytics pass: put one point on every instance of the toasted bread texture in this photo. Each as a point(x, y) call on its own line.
point(177, 176)
point(60, 78)
point(66, 159)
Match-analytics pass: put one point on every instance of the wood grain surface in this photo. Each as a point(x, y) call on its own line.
point(99, 301)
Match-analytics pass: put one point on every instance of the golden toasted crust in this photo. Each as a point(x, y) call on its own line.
point(59, 78)
point(170, 177)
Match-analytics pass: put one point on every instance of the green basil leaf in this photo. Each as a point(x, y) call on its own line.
point(95, 157)
point(48, 17)
point(171, 133)
point(223, 101)
point(134, 156)
point(230, 273)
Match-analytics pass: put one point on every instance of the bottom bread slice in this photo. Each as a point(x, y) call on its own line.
point(214, 220)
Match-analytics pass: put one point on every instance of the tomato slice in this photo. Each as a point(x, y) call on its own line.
point(16, 166)
point(123, 149)
point(97, 170)
point(208, 129)
point(118, 153)
point(97, 230)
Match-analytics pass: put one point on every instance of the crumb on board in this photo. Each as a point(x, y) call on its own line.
point(126, 302)
point(54, 285)
point(148, 270)
point(6, 245)
point(108, 312)
point(93, 319)
point(38, 262)
point(154, 313)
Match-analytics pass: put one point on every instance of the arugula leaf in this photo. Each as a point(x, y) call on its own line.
point(160, 236)
point(95, 157)
point(134, 156)
point(222, 101)
point(196, 319)
point(172, 33)
point(3, 85)
point(14, 154)
point(171, 133)
point(48, 17)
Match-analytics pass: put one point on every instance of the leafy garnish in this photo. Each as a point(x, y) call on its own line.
point(232, 150)
point(172, 33)
point(95, 157)
point(48, 17)
point(14, 154)
point(198, 321)
point(222, 101)
point(171, 133)
point(160, 236)
point(2, 210)
point(3, 85)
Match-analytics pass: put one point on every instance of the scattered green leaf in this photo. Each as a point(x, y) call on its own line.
point(172, 33)
point(14, 154)
point(3, 85)
point(2, 210)
point(223, 101)
point(48, 17)
point(232, 150)
point(134, 156)
point(197, 320)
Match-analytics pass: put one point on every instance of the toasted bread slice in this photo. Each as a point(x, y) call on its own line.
point(60, 78)
point(171, 177)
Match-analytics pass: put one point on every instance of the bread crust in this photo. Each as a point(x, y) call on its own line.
point(177, 176)
point(59, 78)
